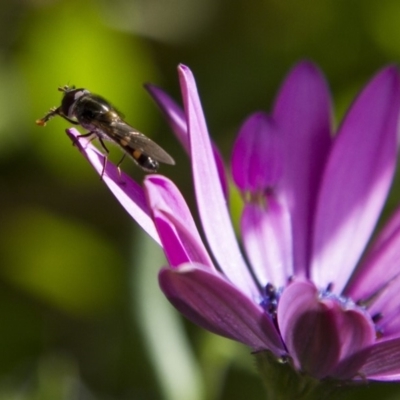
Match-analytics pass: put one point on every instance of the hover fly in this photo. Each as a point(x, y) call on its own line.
point(102, 121)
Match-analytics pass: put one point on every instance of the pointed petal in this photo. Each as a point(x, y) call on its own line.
point(268, 242)
point(177, 120)
point(312, 326)
point(383, 363)
point(214, 304)
point(179, 236)
point(356, 180)
point(257, 158)
point(211, 202)
point(124, 188)
point(303, 113)
point(173, 113)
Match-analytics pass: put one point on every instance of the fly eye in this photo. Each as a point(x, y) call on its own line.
point(71, 96)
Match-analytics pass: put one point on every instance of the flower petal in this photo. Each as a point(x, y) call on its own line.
point(383, 305)
point(211, 202)
point(308, 329)
point(356, 180)
point(216, 305)
point(177, 120)
point(302, 113)
point(179, 236)
point(124, 188)
point(356, 332)
point(383, 256)
point(268, 242)
point(257, 160)
point(381, 292)
point(312, 326)
point(383, 363)
point(173, 112)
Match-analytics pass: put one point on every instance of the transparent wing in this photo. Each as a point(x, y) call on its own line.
point(130, 139)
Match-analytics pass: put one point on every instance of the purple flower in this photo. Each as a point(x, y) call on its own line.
point(311, 202)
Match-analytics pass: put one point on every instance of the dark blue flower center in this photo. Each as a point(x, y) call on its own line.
point(270, 299)
point(271, 295)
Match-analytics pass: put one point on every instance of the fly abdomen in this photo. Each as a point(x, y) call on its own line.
point(144, 161)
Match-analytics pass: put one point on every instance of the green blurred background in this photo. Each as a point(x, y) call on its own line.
point(81, 315)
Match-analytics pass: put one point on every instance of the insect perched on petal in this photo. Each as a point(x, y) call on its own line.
point(102, 121)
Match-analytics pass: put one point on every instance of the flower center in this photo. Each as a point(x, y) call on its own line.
point(344, 302)
point(271, 296)
point(270, 299)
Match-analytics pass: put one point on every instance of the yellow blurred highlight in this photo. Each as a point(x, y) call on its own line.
point(61, 262)
point(385, 26)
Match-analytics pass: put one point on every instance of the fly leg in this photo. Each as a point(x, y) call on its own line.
point(105, 156)
point(90, 136)
point(119, 169)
